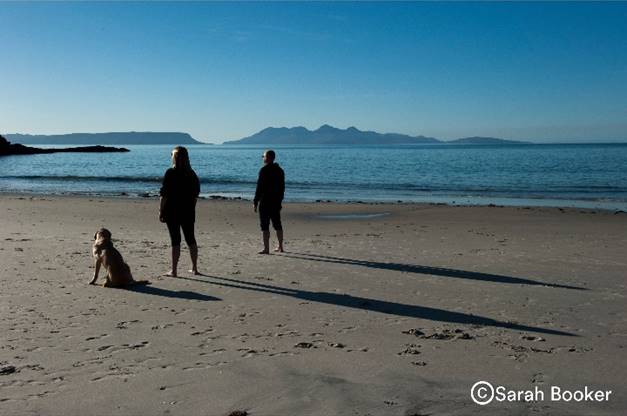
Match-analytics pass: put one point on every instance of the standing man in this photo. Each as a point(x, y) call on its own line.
point(268, 198)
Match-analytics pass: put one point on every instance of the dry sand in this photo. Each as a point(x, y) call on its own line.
point(398, 314)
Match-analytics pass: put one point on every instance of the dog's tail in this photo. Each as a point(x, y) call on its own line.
point(141, 282)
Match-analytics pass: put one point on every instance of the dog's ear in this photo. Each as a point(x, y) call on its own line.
point(95, 235)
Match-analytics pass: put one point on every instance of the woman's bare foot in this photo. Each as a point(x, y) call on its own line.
point(279, 249)
point(194, 272)
point(264, 252)
point(171, 273)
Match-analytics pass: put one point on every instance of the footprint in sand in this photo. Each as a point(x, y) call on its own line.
point(538, 378)
point(410, 349)
point(348, 329)
point(7, 369)
point(213, 352)
point(249, 352)
point(203, 332)
point(124, 324)
point(135, 346)
point(282, 353)
point(201, 366)
point(444, 334)
point(532, 338)
point(96, 337)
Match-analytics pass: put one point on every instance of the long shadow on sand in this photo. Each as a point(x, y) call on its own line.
point(178, 294)
point(392, 308)
point(437, 271)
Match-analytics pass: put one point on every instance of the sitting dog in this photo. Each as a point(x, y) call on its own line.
point(118, 272)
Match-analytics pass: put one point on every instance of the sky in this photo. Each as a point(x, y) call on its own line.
point(222, 71)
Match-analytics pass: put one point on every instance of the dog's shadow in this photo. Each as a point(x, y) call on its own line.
point(177, 294)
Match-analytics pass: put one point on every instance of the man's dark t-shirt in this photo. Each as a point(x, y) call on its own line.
point(270, 187)
point(180, 188)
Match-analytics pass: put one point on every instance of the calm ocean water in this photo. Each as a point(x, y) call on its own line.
point(592, 175)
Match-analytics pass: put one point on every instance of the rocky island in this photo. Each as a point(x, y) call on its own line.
point(6, 149)
point(329, 135)
point(110, 138)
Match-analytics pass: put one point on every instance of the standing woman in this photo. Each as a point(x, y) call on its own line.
point(178, 206)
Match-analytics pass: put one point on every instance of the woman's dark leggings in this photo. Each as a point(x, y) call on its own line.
point(175, 233)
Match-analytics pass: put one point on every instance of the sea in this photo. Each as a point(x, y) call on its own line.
point(557, 175)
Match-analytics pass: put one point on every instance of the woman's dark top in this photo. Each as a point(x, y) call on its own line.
point(180, 189)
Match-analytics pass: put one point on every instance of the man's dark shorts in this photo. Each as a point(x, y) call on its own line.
point(270, 213)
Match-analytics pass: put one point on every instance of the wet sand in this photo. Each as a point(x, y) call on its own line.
point(375, 309)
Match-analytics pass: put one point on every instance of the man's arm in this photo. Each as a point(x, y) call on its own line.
point(259, 189)
point(282, 184)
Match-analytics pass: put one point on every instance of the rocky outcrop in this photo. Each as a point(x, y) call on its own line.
point(6, 149)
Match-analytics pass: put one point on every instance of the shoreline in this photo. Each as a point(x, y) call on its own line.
point(616, 207)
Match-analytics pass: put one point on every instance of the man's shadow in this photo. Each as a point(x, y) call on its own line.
point(374, 305)
point(437, 271)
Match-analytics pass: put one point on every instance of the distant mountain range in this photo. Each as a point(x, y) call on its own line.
point(131, 137)
point(331, 135)
point(270, 136)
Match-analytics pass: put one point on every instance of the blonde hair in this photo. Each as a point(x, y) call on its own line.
point(180, 158)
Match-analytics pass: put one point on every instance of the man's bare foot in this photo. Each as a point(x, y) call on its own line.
point(171, 274)
point(194, 272)
point(279, 249)
point(264, 252)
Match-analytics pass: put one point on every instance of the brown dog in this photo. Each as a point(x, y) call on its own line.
point(118, 272)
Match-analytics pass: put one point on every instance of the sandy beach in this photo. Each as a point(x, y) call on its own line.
point(375, 309)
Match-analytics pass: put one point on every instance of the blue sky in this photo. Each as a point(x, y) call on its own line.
point(219, 71)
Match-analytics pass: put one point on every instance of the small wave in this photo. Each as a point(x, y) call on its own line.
point(463, 188)
point(127, 179)
point(73, 178)
point(316, 187)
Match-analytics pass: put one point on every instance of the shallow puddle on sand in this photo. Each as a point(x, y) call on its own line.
point(352, 216)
